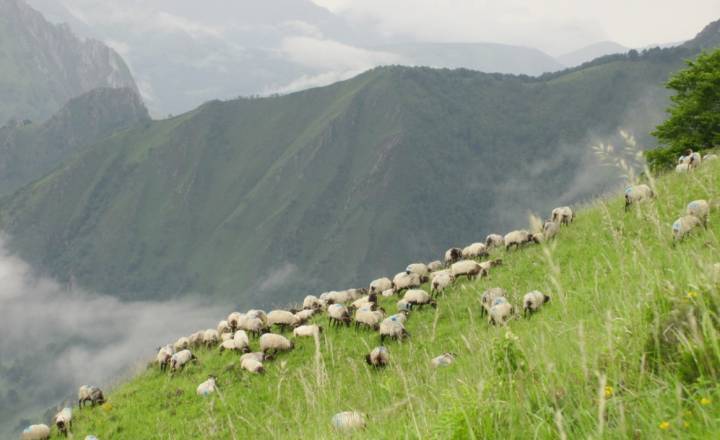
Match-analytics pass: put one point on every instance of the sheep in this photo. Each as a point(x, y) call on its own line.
point(211, 337)
point(311, 302)
point(439, 283)
point(487, 265)
point(393, 329)
point(340, 297)
point(517, 238)
point(252, 365)
point(487, 299)
point(684, 225)
point(180, 359)
point(307, 330)
point(338, 314)
point(452, 255)
point(700, 209)
point(709, 157)
point(380, 285)
point(471, 269)
point(304, 315)
point(475, 250)
point(434, 266)
point(532, 301)
point(195, 340)
point(563, 215)
point(636, 194)
point(443, 360)
point(403, 281)
point(494, 240)
point(420, 269)
point(419, 297)
point(365, 301)
point(223, 327)
point(258, 314)
point(181, 344)
point(401, 317)
point(388, 292)
point(254, 325)
point(94, 395)
point(63, 421)
point(163, 357)
point(691, 159)
point(256, 355)
point(36, 432)
point(378, 357)
point(272, 343)
point(206, 388)
point(348, 420)
point(550, 230)
point(682, 168)
point(500, 312)
point(282, 318)
point(368, 318)
point(404, 306)
point(234, 319)
point(440, 273)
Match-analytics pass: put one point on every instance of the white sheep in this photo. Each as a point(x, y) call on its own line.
point(369, 318)
point(691, 159)
point(223, 327)
point(282, 319)
point(420, 269)
point(35, 432)
point(63, 420)
point(310, 330)
point(709, 157)
point(443, 360)
point(304, 315)
point(211, 337)
point(388, 292)
point(550, 230)
point(487, 265)
point(365, 301)
point(440, 283)
point(637, 193)
point(563, 215)
point(419, 297)
point(434, 266)
point(206, 388)
point(682, 168)
point(233, 320)
point(517, 238)
point(311, 302)
point(195, 340)
point(273, 343)
point(338, 314)
point(163, 357)
point(494, 240)
point(403, 281)
point(500, 312)
point(487, 299)
point(378, 357)
point(475, 250)
point(258, 314)
point(393, 329)
point(469, 268)
point(180, 359)
point(182, 343)
point(532, 301)
point(452, 255)
point(700, 209)
point(254, 325)
point(401, 317)
point(257, 355)
point(94, 395)
point(403, 306)
point(684, 225)
point(348, 420)
point(380, 285)
point(252, 365)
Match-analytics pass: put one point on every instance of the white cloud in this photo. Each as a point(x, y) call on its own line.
point(309, 81)
point(332, 55)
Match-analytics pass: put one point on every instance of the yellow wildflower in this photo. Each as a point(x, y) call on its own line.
point(608, 391)
point(692, 294)
point(705, 401)
point(685, 424)
point(106, 407)
point(664, 425)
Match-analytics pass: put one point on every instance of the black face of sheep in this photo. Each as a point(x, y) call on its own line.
point(546, 298)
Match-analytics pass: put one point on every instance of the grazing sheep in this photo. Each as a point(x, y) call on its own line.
point(348, 420)
point(195, 340)
point(206, 388)
point(378, 357)
point(434, 266)
point(452, 255)
point(404, 306)
point(311, 302)
point(420, 269)
point(380, 285)
point(257, 314)
point(401, 316)
point(517, 239)
point(242, 342)
point(226, 337)
point(282, 318)
point(338, 314)
point(273, 343)
point(440, 283)
point(637, 193)
point(307, 330)
point(419, 297)
point(487, 299)
point(494, 240)
point(163, 357)
point(532, 301)
point(563, 215)
point(684, 225)
point(368, 318)
point(471, 269)
point(252, 365)
point(700, 209)
point(63, 421)
point(440, 273)
point(475, 250)
point(304, 315)
point(180, 359)
point(500, 312)
point(211, 337)
point(234, 319)
point(253, 325)
point(257, 355)
point(181, 344)
point(223, 327)
point(691, 159)
point(487, 265)
point(443, 360)
point(94, 395)
point(404, 281)
point(36, 432)
point(393, 329)
point(387, 293)
point(550, 230)
point(365, 301)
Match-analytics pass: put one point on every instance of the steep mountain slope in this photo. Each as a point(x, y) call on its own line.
point(30, 151)
point(42, 66)
point(625, 348)
point(589, 53)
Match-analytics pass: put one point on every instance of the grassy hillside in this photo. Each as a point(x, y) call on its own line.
point(601, 359)
point(260, 200)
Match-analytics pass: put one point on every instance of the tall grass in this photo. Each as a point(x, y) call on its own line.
point(627, 347)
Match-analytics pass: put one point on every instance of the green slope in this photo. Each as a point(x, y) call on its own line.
point(616, 283)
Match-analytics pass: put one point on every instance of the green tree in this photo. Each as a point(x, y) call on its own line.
point(694, 120)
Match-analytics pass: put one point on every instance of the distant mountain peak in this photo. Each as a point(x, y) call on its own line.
point(590, 52)
point(708, 38)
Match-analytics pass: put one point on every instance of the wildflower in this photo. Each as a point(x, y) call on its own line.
point(608, 391)
point(106, 407)
point(510, 336)
point(705, 401)
point(692, 294)
point(664, 425)
point(685, 424)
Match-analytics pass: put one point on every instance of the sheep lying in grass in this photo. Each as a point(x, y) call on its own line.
point(348, 420)
point(563, 215)
point(500, 312)
point(494, 240)
point(420, 269)
point(404, 281)
point(487, 299)
point(271, 343)
point(338, 314)
point(469, 268)
point(452, 255)
point(434, 266)
point(180, 359)
point(440, 283)
point(310, 330)
point(35, 432)
point(256, 355)
point(532, 301)
point(94, 395)
point(636, 194)
point(699, 209)
point(517, 238)
point(443, 360)
point(206, 388)
point(380, 285)
point(63, 421)
point(475, 250)
point(378, 357)
point(419, 297)
point(163, 357)
point(684, 225)
point(393, 329)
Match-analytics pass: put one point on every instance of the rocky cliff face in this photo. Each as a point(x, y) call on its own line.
point(42, 66)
